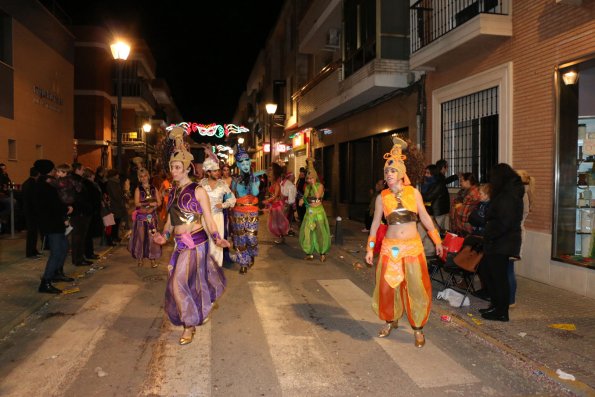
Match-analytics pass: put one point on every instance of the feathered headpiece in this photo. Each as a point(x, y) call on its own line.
point(241, 154)
point(310, 170)
point(210, 164)
point(179, 151)
point(396, 159)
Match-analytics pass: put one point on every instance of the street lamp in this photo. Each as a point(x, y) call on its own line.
point(146, 130)
point(271, 109)
point(120, 52)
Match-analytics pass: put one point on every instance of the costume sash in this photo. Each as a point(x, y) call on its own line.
point(396, 250)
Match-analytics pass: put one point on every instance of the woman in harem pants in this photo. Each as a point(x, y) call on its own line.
point(402, 280)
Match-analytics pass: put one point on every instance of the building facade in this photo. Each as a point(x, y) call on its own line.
point(36, 103)
point(496, 91)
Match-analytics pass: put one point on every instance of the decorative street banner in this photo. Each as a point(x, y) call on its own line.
point(215, 130)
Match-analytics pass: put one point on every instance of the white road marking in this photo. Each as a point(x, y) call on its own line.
point(181, 370)
point(299, 356)
point(58, 361)
point(427, 367)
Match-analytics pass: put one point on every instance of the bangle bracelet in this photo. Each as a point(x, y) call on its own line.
point(215, 235)
point(371, 243)
point(166, 235)
point(435, 236)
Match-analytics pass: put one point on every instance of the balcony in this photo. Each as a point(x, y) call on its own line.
point(137, 94)
point(453, 28)
point(328, 96)
point(320, 27)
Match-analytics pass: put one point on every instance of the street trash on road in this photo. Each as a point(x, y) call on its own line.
point(453, 297)
point(358, 266)
point(100, 372)
point(522, 334)
point(445, 318)
point(341, 257)
point(476, 321)
point(71, 290)
point(563, 375)
point(565, 327)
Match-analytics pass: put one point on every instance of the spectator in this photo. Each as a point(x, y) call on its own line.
point(378, 187)
point(28, 190)
point(502, 238)
point(442, 166)
point(5, 186)
point(300, 188)
point(81, 215)
point(466, 201)
point(289, 191)
point(437, 199)
point(117, 204)
point(95, 222)
point(51, 212)
point(477, 219)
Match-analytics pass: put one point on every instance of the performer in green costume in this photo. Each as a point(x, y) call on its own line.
point(315, 234)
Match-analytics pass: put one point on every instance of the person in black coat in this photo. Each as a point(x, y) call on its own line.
point(437, 198)
point(28, 190)
point(502, 238)
point(51, 214)
point(81, 216)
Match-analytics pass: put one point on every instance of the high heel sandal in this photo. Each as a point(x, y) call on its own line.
point(154, 263)
point(322, 258)
point(385, 330)
point(420, 339)
point(309, 257)
point(186, 340)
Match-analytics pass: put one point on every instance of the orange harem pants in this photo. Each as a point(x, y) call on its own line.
point(406, 266)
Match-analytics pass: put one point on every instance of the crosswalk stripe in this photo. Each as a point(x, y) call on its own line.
point(427, 367)
point(299, 356)
point(181, 370)
point(58, 361)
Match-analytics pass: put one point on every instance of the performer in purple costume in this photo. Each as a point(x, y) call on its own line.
point(195, 281)
point(147, 199)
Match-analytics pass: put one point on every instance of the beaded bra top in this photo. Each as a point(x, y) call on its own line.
point(183, 207)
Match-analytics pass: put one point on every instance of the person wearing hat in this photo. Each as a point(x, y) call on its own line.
point(244, 216)
point(315, 234)
point(195, 281)
point(51, 213)
point(221, 198)
point(144, 220)
point(402, 280)
point(289, 192)
point(277, 223)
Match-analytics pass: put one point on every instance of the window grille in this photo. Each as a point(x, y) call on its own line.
point(470, 133)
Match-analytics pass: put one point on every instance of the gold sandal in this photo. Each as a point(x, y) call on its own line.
point(322, 258)
point(309, 257)
point(385, 330)
point(186, 340)
point(420, 339)
point(154, 263)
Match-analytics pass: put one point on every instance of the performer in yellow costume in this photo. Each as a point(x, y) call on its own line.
point(402, 280)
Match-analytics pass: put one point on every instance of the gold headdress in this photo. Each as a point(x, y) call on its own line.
point(180, 153)
point(396, 159)
point(310, 170)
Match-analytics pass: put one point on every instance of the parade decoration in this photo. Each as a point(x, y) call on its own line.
point(216, 130)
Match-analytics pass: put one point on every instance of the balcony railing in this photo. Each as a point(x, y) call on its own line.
point(432, 19)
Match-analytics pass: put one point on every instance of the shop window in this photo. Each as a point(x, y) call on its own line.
point(470, 133)
point(574, 209)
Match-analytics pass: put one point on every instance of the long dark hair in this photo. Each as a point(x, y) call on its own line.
point(501, 175)
point(277, 171)
point(469, 177)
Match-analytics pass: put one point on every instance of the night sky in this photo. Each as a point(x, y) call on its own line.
point(205, 51)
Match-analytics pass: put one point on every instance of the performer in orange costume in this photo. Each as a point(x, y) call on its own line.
point(402, 280)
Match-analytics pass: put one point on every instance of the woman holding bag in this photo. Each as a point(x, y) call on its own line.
point(195, 280)
point(402, 280)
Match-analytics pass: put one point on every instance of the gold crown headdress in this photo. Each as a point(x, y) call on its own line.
point(180, 153)
point(396, 159)
point(310, 170)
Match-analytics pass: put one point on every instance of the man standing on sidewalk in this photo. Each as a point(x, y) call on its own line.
point(51, 213)
point(28, 190)
point(81, 216)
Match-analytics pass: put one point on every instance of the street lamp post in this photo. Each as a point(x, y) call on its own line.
point(120, 52)
point(271, 109)
point(146, 130)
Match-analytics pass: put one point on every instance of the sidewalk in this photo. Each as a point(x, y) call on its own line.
point(19, 280)
point(529, 336)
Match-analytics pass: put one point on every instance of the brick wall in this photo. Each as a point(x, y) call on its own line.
point(545, 34)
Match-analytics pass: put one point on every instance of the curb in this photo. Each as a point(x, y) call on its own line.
point(577, 387)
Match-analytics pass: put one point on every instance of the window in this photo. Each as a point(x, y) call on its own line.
point(12, 149)
point(470, 133)
point(574, 202)
point(360, 34)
